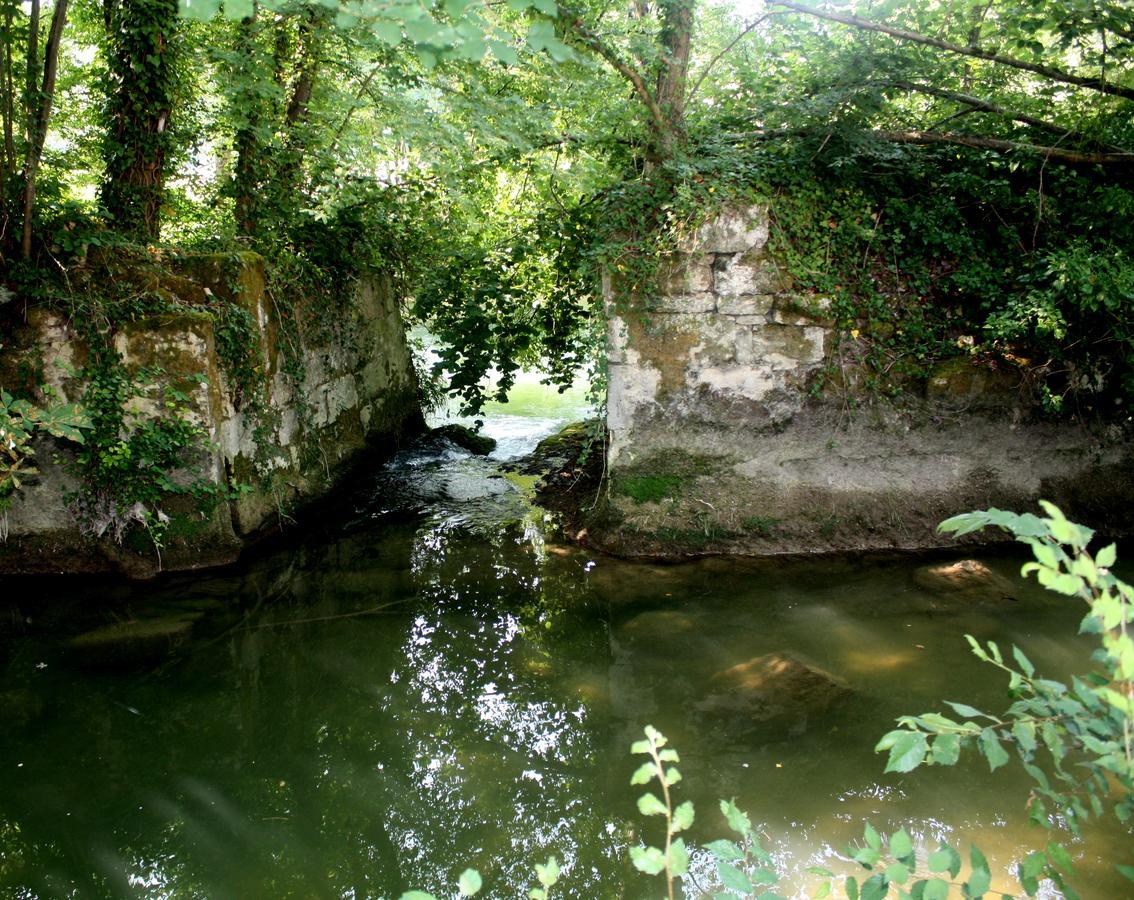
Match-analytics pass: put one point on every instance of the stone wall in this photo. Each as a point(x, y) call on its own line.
point(737, 424)
point(323, 393)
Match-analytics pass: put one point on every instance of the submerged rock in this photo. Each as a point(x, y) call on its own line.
point(19, 708)
point(775, 696)
point(466, 438)
point(966, 581)
point(133, 644)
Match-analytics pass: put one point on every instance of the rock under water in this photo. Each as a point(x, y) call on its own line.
point(776, 696)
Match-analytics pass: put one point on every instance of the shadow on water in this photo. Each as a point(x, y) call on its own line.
point(435, 684)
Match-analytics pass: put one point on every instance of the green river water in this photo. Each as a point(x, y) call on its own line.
point(432, 683)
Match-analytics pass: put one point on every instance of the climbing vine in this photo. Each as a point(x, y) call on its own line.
point(142, 81)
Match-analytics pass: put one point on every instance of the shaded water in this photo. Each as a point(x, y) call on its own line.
point(433, 686)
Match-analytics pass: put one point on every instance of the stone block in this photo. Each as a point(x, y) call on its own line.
point(790, 309)
point(789, 346)
point(748, 382)
point(630, 388)
point(748, 274)
point(752, 305)
point(686, 303)
point(719, 338)
point(686, 273)
point(730, 231)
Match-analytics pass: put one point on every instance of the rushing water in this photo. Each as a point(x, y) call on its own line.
point(434, 685)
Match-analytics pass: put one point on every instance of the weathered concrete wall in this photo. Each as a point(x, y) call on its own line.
point(324, 393)
point(736, 424)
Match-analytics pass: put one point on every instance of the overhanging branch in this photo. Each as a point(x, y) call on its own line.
point(1059, 154)
point(1049, 72)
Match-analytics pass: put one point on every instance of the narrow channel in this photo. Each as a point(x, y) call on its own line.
point(436, 682)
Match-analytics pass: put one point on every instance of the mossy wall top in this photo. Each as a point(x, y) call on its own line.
point(286, 392)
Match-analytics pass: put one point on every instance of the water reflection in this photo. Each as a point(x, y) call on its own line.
point(432, 689)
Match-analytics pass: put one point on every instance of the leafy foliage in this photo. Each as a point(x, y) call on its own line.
point(20, 422)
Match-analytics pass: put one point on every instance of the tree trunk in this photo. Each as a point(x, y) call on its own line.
point(31, 75)
point(140, 96)
point(249, 152)
point(37, 127)
point(676, 36)
point(299, 104)
point(7, 99)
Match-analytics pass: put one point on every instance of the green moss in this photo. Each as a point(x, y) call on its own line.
point(649, 488)
point(663, 476)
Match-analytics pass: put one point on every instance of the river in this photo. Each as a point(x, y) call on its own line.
point(433, 682)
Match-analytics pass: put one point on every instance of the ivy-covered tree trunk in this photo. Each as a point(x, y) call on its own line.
point(247, 105)
point(140, 93)
point(39, 117)
point(310, 46)
point(675, 38)
point(7, 88)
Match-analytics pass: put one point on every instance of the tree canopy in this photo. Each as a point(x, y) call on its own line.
point(956, 174)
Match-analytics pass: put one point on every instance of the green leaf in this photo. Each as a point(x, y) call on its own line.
point(1107, 556)
point(872, 838)
point(1031, 867)
point(470, 882)
point(981, 878)
point(650, 805)
point(644, 773)
point(946, 749)
point(897, 873)
point(683, 816)
point(737, 820)
point(1023, 662)
point(907, 749)
point(1025, 735)
point(992, 749)
point(734, 879)
point(874, 888)
point(900, 844)
point(678, 857)
point(504, 52)
point(945, 860)
point(1058, 854)
point(963, 709)
point(421, 31)
point(936, 889)
point(389, 33)
point(647, 859)
point(416, 895)
point(548, 873)
point(725, 851)
point(1126, 871)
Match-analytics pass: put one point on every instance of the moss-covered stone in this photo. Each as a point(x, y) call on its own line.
point(466, 438)
point(968, 382)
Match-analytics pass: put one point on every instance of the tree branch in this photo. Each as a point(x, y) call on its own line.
point(589, 39)
point(1094, 84)
point(728, 47)
point(977, 104)
point(1073, 157)
point(1057, 154)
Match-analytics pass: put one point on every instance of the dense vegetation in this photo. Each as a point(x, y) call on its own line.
point(955, 174)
